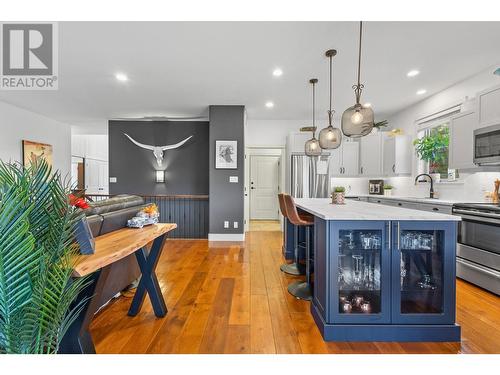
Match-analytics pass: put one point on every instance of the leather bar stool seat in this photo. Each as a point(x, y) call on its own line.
point(295, 268)
point(301, 289)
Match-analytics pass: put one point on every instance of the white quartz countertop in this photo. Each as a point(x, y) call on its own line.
point(445, 202)
point(356, 210)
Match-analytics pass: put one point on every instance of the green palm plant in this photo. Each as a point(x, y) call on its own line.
point(37, 293)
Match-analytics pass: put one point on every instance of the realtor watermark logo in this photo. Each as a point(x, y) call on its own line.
point(29, 56)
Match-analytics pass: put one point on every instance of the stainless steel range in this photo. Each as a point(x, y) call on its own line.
point(478, 248)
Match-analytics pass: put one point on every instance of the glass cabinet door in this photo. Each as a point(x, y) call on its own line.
point(362, 264)
point(422, 277)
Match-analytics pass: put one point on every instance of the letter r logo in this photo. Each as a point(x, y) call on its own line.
point(27, 49)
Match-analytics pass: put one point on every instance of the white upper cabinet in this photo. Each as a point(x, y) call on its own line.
point(97, 147)
point(350, 158)
point(461, 149)
point(78, 144)
point(488, 106)
point(371, 155)
point(90, 146)
point(344, 161)
point(397, 155)
point(296, 141)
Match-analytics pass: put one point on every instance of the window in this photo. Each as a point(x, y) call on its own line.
point(432, 147)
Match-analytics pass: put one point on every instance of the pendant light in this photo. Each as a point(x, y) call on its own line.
point(357, 121)
point(312, 145)
point(330, 137)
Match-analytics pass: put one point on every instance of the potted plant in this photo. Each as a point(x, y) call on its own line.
point(37, 292)
point(433, 148)
point(388, 190)
point(379, 125)
point(338, 195)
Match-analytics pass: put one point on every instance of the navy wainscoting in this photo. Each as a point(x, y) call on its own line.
point(189, 212)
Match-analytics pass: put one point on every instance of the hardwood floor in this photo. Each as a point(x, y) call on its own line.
point(232, 298)
point(265, 225)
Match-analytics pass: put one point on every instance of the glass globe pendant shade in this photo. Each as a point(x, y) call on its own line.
point(357, 121)
point(330, 138)
point(312, 147)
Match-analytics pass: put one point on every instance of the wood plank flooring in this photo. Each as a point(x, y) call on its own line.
point(265, 225)
point(232, 298)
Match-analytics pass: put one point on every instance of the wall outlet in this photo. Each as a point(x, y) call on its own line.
point(226, 224)
point(235, 225)
point(113, 179)
point(233, 179)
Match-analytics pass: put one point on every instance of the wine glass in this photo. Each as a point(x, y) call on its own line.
point(357, 270)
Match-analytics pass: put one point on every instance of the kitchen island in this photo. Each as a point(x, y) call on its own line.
point(383, 273)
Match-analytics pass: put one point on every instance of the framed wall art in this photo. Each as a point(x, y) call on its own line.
point(35, 150)
point(226, 154)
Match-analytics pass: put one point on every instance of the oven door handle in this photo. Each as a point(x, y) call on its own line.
point(480, 216)
point(479, 268)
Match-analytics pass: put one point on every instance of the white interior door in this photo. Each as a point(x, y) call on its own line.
point(264, 182)
point(103, 177)
point(92, 176)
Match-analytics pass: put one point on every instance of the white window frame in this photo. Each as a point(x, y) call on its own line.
point(426, 124)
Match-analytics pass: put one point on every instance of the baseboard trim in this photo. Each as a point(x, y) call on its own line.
point(240, 237)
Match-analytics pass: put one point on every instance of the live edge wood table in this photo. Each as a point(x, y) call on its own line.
point(110, 248)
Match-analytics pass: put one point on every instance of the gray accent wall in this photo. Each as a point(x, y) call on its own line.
point(186, 168)
point(226, 199)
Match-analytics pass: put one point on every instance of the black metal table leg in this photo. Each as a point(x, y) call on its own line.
point(149, 282)
point(77, 339)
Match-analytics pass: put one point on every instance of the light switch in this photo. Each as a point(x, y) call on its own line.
point(233, 179)
point(112, 179)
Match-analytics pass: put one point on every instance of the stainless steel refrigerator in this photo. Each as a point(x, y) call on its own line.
point(310, 176)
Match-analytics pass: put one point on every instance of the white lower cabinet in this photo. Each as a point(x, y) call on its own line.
point(461, 146)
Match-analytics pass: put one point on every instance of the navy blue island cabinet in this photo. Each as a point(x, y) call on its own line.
point(385, 280)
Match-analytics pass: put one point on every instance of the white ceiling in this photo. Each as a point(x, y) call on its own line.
point(178, 69)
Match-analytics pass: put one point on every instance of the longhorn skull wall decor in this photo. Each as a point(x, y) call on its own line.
point(158, 150)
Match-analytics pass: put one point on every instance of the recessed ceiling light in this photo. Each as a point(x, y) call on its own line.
point(277, 72)
point(412, 73)
point(421, 92)
point(269, 104)
point(121, 77)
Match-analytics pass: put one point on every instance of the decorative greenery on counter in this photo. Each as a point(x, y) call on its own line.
point(36, 259)
point(381, 124)
point(388, 187)
point(433, 148)
point(339, 189)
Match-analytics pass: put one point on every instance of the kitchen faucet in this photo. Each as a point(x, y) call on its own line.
point(431, 192)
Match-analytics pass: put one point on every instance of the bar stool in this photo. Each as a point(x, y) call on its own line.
point(295, 268)
point(301, 289)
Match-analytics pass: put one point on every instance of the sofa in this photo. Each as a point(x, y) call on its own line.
point(107, 216)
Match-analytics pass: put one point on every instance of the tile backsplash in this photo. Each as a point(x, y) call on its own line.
point(470, 187)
